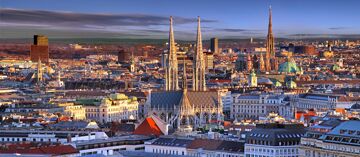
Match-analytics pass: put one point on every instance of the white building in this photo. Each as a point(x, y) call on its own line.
point(323, 102)
point(253, 106)
point(49, 136)
point(113, 108)
point(112, 145)
point(171, 146)
point(168, 146)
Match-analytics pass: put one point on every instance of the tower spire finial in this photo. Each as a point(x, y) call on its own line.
point(199, 63)
point(171, 76)
point(270, 51)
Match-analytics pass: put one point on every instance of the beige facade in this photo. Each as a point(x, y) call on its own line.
point(77, 112)
point(317, 148)
point(113, 108)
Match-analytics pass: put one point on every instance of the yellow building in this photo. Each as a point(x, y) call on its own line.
point(77, 112)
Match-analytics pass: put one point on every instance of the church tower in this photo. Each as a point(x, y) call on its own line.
point(132, 65)
point(249, 63)
point(199, 83)
point(261, 63)
point(270, 51)
point(252, 79)
point(171, 74)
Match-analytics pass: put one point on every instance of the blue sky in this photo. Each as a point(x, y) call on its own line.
point(148, 18)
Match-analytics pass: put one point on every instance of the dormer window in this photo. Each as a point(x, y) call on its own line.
point(351, 131)
point(342, 131)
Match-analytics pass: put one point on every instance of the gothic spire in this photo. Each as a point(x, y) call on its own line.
point(270, 21)
point(199, 63)
point(270, 51)
point(171, 76)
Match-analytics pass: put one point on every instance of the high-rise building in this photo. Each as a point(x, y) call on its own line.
point(209, 60)
point(214, 45)
point(171, 74)
point(40, 49)
point(270, 51)
point(199, 63)
point(123, 56)
point(41, 40)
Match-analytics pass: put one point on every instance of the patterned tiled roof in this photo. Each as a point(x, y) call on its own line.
point(197, 98)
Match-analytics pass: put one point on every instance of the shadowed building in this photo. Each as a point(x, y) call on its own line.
point(214, 45)
point(40, 49)
point(123, 56)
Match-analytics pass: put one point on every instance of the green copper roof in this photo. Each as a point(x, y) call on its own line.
point(87, 101)
point(118, 96)
point(289, 67)
point(335, 67)
point(278, 84)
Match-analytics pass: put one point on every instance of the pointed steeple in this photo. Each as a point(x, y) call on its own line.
point(270, 51)
point(270, 21)
point(171, 76)
point(199, 83)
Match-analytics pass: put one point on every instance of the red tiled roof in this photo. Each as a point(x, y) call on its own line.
point(59, 149)
point(148, 127)
point(31, 148)
point(220, 81)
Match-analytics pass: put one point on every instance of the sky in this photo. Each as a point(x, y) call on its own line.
point(150, 18)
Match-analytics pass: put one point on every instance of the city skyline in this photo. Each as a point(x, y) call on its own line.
point(295, 19)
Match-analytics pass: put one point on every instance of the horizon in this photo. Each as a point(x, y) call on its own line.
point(130, 20)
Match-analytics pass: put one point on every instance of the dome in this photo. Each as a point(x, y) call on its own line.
point(278, 84)
point(328, 54)
point(289, 67)
point(134, 99)
point(335, 67)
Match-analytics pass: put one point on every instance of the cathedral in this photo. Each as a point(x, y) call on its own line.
point(184, 109)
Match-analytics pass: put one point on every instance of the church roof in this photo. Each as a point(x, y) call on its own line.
point(148, 127)
point(171, 98)
point(289, 67)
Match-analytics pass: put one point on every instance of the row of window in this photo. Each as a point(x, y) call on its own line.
point(171, 152)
